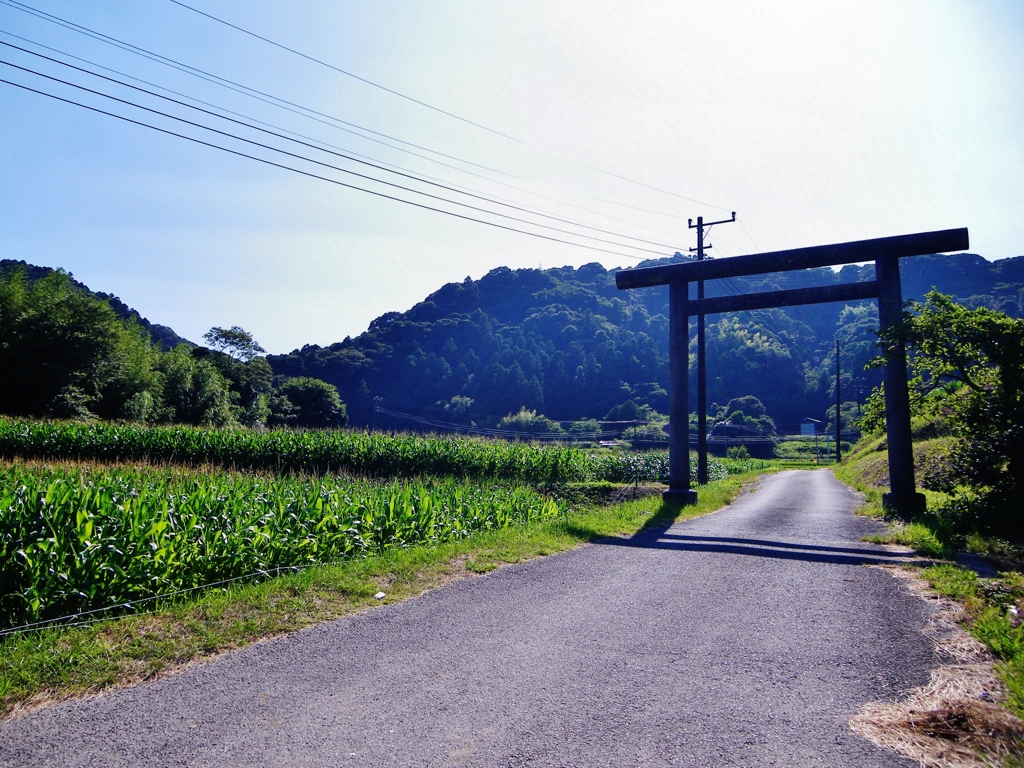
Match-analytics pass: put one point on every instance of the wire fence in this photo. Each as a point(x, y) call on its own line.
point(102, 614)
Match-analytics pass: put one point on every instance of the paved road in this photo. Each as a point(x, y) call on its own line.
point(746, 638)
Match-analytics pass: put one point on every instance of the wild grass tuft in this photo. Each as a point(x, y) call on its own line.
point(918, 536)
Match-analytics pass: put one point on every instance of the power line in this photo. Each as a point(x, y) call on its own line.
point(266, 97)
point(338, 127)
point(345, 72)
point(316, 176)
point(638, 208)
point(439, 110)
point(226, 83)
point(321, 163)
point(337, 154)
point(750, 236)
point(295, 108)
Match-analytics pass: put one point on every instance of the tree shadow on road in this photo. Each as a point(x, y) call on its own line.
point(657, 534)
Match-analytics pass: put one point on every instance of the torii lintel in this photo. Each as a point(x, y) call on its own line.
point(942, 241)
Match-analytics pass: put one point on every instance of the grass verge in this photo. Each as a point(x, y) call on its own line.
point(48, 666)
point(925, 534)
point(994, 608)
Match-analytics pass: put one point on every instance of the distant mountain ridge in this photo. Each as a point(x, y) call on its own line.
point(568, 343)
point(161, 334)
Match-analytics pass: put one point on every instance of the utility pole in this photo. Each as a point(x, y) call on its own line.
point(376, 407)
point(858, 389)
point(839, 404)
point(702, 389)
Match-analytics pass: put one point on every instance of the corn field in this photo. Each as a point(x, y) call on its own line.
point(79, 538)
point(361, 454)
point(76, 538)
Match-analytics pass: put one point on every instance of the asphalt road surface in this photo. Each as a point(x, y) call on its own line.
point(747, 637)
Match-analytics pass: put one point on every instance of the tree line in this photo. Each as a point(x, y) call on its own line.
point(68, 353)
point(561, 344)
point(515, 345)
point(568, 345)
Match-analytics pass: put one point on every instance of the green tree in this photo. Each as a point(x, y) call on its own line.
point(132, 384)
point(316, 401)
point(530, 421)
point(235, 354)
point(968, 368)
point(235, 342)
point(748, 412)
point(194, 391)
point(62, 349)
point(585, 426)
point(460, 408)
point(748, 405)
point(745, 358)
point(848, 413)
point(628, 411)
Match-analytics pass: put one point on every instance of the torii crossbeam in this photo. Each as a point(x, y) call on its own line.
point(885, 252)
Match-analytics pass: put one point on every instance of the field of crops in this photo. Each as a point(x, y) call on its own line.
point(363, 454)
point(146, 516)
point(74, 538)
point(360, 454)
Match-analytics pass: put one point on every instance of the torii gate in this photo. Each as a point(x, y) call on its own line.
point(885, 252)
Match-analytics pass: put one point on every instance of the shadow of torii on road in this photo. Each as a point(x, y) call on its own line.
point(659, 536)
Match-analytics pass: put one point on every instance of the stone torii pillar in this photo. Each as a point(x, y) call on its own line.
point(679, 490)
point(885, 252)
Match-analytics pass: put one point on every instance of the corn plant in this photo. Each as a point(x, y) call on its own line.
point(363, 454)
point(74, 538)
point(367, 454)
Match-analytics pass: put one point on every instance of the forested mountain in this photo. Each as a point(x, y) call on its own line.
point(567, 343)
point(165, 337)
point(68, 352)
point(562, 342)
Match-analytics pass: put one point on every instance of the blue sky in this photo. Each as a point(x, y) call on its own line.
point(816, 122)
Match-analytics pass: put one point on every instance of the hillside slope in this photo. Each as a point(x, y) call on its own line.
point(161, 334)
point(568, 343)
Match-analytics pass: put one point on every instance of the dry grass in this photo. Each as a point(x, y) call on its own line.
point(957, 720)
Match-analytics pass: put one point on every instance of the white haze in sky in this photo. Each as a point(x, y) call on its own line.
point(816, 122)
